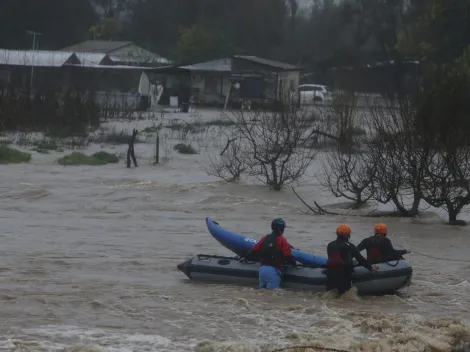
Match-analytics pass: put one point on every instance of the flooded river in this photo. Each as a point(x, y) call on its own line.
point(88, 261)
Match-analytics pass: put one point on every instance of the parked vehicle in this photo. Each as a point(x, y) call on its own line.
point(310, 93)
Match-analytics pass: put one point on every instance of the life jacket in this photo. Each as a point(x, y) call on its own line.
point(270, 253)
point(373, 252)
point(335, 260)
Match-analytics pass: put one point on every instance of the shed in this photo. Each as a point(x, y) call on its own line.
point(258, 79)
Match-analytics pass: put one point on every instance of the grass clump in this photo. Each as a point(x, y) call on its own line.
point(47, 145)
point(100, 158)
point(13, 156)
point(185, 148)
point(151, 129)
point(106, 157)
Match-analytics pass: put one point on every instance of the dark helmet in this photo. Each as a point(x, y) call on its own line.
point(278, 225)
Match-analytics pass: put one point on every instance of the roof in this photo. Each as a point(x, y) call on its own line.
point(97, 46)
point(221, 65)
point(90, 58)
point(225, 65)
point(267, 62)
point(38, 58)
point(141, 56)
point(138, 55)
point(116, 67)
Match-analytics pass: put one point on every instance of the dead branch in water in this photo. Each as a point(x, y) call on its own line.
point(321, 211)
point(305, 203)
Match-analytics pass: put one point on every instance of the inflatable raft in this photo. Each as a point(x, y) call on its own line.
point(390, 277)
point(240, 245)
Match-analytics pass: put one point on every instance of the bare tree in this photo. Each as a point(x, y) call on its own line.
point(447, 183)
point(346, 172)
point(398, 149)
point(444, 117)
point(276, 144)
point(349, 175)
point(343, 111)
point(231, 162)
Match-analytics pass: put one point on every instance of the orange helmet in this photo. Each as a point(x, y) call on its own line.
point(343, 230)
point(380, 229)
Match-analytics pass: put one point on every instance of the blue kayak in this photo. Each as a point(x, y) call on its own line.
point(241, 245)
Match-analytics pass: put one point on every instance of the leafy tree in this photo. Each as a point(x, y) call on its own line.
point(199, 43)
point(108, 29)
point(437, 32)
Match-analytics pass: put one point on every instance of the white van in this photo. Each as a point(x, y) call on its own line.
point(310, 93)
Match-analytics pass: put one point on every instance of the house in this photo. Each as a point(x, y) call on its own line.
point(116, 86)
point(120, 52)
point(235, 79)
point(19, 67)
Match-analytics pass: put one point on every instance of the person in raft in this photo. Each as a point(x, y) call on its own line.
point(340, 265)
point(379, 248)
point(272, 251)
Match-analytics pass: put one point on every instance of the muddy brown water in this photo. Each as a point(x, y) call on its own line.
point(88, 261)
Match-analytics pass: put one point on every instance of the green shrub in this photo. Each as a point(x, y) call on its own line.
point(13, 156)
point(76, 158)
point(106, 157)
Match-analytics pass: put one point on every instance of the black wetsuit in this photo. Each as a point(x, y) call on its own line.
point(340, 265)
point(379, 249)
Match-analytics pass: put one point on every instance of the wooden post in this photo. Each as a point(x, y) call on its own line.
point(157, 148)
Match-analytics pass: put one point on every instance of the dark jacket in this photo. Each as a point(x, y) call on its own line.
point(340, 255)
point(379, 249)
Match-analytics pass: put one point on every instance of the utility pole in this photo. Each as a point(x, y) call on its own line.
point(34, 34)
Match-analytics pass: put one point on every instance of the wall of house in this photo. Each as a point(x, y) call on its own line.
point(274, 77)
point(210, 87)
point(144, 84)
point(288, 84)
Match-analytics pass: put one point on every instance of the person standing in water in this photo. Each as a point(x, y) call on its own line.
point(340, 265)
point(272, 251)
point(379, 248)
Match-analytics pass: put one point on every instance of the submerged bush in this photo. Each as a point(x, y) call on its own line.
point(13, 156)
point(106, 157)
point(185, 148)
point(100, 158)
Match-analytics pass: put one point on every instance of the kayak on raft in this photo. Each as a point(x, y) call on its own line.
point(241, 245)
point(390, 278)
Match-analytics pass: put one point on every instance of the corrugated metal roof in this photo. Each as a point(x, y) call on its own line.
point(117, 67)
point(221, 65)
point(155, 59)
point(97, 46)
point(108, 47)
point(267, 62)
point(39, 58)
point(138, 56)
